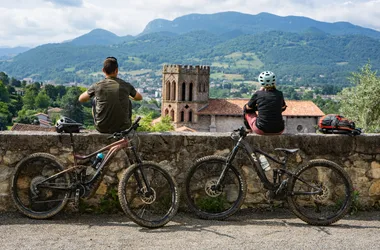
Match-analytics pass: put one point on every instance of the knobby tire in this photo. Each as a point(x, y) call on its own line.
point(328, 206)
point(149, 210)
point(206, 202)
point(35, 202)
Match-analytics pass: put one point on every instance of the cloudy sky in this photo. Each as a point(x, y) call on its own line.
point(35, 22)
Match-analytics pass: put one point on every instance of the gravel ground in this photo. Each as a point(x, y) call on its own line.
point(248, 229)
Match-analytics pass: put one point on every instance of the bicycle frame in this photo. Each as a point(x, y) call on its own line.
point(112, 148)
point(252, 153)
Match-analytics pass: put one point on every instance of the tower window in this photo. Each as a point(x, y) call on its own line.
point(183, 92)
point(182, 116)
point(190, 116)
point(173, 91)
point(167, 94)
point(191, 92)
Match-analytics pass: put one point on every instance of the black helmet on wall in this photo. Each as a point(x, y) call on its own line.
point(267, 79)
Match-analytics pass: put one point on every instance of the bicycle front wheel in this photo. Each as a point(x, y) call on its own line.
point(320, 193)
point(149, 206)
point(205, 198)
point(35, 197)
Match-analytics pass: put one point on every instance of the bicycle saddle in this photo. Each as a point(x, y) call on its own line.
point(287, 150)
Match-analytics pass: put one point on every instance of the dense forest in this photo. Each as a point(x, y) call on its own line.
point(310, 57)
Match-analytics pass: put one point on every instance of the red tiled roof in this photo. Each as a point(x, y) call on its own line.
point(41, 114)
point(302, 108)
point(30, 127)
point(54, 110)
point(235, 107)
point(46, 123)
point(223, 107)
point(185, 129)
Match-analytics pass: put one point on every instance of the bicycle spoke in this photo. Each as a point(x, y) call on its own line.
point(34, 196)
point(320, 193)
point(208, 199)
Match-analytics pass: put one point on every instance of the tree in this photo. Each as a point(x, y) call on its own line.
point(4, 95)
point(51, 91)
point(5, 116)
point(71, 106)
point(42, 100)
point(361, 103)
point(29, 97)
point(4, 78)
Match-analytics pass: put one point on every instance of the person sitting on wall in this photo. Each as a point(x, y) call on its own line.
point(111, 105)
point(270, 103)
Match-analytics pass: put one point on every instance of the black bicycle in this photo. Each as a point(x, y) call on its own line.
point(41, 186)
point(319, 193)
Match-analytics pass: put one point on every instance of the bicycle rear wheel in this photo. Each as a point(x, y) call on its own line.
point(320, 193)
point(152, 208)
point(30, 197)
point(207, 200)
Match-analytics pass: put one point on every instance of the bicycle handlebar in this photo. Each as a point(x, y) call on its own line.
point(134, 126)
point(242, 131)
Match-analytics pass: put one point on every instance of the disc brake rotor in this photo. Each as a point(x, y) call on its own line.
point(148, 199)
point(322, 197)
point(210, 188)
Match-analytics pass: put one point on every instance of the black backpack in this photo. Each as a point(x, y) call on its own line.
point(337, 124)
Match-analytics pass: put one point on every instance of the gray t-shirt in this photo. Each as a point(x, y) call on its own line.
point(113, 109)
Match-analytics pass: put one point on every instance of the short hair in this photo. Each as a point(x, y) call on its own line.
point(110, 65)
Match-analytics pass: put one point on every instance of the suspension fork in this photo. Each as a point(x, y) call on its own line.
point(140, 183)
point(230, 158)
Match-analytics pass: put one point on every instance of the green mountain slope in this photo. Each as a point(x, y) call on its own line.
point(99, 37)
point(224, 22)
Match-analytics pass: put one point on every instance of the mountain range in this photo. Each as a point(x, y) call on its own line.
point(231, 42)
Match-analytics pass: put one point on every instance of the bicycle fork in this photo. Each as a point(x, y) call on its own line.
point(217, 186)
point(142, 182)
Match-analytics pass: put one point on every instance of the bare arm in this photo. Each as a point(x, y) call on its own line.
point(137, 97)
point(84, 97)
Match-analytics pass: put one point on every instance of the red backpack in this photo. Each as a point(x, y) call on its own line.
point(337, 124)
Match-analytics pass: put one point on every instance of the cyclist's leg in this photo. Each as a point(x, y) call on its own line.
point(251, 120)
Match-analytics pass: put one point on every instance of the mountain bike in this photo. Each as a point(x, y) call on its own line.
point(319, 193)
point(41, 186)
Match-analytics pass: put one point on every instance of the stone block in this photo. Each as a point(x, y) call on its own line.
point(102, 189)
point(375, 165)
point(4, 187)
point(12, 157)
point(5, 173)
point(374, 173)
point(374, 189)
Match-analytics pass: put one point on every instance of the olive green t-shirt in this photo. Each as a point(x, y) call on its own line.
point(113, 109)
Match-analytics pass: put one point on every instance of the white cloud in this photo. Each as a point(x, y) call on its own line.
point(34, 22)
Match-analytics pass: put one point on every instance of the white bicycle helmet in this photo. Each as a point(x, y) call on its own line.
point(267, 79)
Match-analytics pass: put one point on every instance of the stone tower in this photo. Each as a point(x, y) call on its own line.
point(185, 89)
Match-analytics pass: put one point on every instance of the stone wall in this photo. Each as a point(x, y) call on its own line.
point(360, 156)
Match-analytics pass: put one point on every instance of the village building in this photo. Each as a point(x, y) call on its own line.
point(185, 98)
